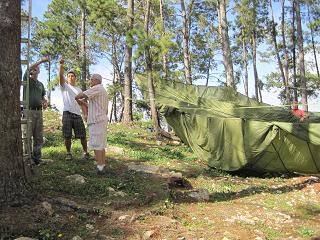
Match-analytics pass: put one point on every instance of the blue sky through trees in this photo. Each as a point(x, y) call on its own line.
point(103, 67)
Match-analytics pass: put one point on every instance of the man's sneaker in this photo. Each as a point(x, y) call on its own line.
point(36, 161)
point(68, 156)
point(87, 157)
point(101, 172)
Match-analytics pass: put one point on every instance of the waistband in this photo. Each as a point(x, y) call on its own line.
point(35, 108)
point(70, 113)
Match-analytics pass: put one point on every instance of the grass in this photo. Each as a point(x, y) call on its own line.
point(232, 196)
point(306, 232)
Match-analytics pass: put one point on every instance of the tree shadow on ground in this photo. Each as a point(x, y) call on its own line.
point(251, 190)
point(218, 197)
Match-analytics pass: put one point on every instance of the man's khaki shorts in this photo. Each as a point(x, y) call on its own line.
point(98, 135)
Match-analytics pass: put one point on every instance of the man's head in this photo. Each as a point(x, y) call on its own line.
point(71, 77)
point(95, 79)
point(34, 72)
point(295, 105)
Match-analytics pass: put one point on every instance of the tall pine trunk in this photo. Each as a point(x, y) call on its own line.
point(302, 71)
point(148, 64)
point(245, 64)
point(83, 48)
point(116, 75)
point(225, 42)
point(255, 70)
point(186, 42)
point(293, 39)
point(285, 50)
point(127, 92)
point(313, 43)
point(13, 170)
point(274, 39)
point(163, 33)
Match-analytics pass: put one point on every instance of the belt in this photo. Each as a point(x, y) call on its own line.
point(72, 114)
point(35, 108)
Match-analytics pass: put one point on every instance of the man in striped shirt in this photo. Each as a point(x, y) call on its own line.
point(97, 99)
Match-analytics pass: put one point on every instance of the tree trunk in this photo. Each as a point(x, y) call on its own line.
point(164, 54)
point(127, 111)
point(274, 39)
point(293, 36)
point(208, 72)
point(260, 94)
point(13, 180)
point(186, 39)
point(224, 38)
point(116, 75)
point(303, 84)
point(151, 92)
point(255, 71)
point(313, 43)
point(83, 49)
point(245, 65)
point(49, 81)
point(113, 106)
point(286, 54)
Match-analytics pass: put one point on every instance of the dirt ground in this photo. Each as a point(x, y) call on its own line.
point(125, 204)
point(289, 209)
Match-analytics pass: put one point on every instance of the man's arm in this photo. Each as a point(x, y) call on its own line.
point(33, 66)
point(61, 72)
point(42, 60)
point(81, 96)
point(84, 109)
point(81, 99)
point(44, 101)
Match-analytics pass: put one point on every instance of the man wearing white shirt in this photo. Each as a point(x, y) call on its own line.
point(97, 97)
point(71, 119)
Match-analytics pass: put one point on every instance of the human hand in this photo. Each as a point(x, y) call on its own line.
point(44, 104)
point(61, 61)
point(85, 118)
point(45, 59)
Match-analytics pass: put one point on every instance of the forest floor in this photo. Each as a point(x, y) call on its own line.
point(157, 189)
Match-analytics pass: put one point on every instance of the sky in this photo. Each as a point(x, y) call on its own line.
point(40, 6)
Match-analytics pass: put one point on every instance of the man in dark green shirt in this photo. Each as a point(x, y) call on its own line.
point(37, 102)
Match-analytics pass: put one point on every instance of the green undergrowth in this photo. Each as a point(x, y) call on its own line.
point(229, 192)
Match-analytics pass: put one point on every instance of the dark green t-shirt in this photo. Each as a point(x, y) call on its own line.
point(36, 92)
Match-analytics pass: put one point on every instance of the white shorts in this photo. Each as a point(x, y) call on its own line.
point(98, 135)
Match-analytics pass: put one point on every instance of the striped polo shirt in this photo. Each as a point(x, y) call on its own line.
point(98, 104)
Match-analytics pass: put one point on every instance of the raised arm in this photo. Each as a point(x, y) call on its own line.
point(61, 72)
point(36, 64)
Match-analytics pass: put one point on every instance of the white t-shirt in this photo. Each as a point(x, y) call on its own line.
point(68, 94)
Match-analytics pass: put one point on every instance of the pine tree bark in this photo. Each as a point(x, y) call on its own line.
point(83, 48)
point(13, 180)
point(117, 77)
point(224, 38)
point(186, 43)
point(313, 44)
point(293, 39)
point(163, 33)
point(255, 70)
point(302, 71)
point(274, 39)
point(245, 64)
point(127, 108)
point(151, 92)
point(284, 45)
